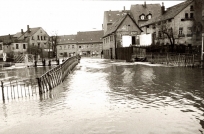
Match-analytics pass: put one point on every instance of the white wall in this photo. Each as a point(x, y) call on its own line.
point(145, 39)
point(126, 41)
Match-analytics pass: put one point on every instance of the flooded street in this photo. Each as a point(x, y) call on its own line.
point(108, 97)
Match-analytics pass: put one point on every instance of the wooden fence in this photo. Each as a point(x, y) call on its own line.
point(12, 89)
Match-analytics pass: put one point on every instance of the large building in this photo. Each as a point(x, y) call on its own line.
point(179, 21)
point(144, 12)
point(34, 37)
point(89, 43)
point(139, 12)
point(123, 33)
point(66, 45)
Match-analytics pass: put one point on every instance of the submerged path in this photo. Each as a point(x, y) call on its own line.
point(108, 97)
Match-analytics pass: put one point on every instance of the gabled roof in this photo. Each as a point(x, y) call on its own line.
point(169, 13)
point(89, 36)
point(112, 16)
point(17, 35)
point(31, 32)
point(138, 9)
point(65, 39)
point(116, 25)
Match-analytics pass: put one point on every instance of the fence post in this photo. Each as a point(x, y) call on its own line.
point(39, 86)
point(2, 87)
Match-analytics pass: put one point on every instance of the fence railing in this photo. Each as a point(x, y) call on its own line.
point(55, 76)
point(174, 59)
point(12, 89)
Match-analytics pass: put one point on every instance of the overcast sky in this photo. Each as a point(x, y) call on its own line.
point(60, 16)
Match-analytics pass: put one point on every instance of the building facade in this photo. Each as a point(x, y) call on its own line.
point(178, 21)
point(37, 41)
point(89, 43)
point(66, 46)
point(123, 33)
point(140, 13)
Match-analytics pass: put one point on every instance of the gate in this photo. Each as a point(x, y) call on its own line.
point(124, 53)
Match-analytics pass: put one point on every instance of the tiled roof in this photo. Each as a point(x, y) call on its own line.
point(7, 39)
point(17, 35)
point(169, 13)
point(138, 9)
point(89, 36)
point(32, 31)
point(112, 16)
point(64, 39)
point(115, 25)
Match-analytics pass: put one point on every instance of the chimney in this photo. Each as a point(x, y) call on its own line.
point(21, 31)
point(162, 8)
point(124, 8)
point(145, 4)
point(28, 29)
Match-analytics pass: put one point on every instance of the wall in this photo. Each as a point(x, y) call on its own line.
point(66, 48)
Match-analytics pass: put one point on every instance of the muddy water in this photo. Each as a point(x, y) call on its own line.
point(108, 97)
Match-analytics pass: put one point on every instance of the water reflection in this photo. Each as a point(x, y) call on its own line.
point(103, 96)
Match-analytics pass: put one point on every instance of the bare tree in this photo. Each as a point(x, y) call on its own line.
point(54, 38)
point(167, 30)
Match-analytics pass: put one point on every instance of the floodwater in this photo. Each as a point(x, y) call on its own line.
point(108, 97)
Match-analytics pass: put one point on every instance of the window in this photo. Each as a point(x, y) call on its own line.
point(149, 16)
point(33, 44)
point(160, 34)
point(111, 38)
point(17, 46)
point(186, 15)
point(72, 46)
point(41, 38)
point(142, 17)
point(0, 46)
point(38, 45)
point(44, 37)
point(191, 8)
point(189, 32)
point(68, 46)
point(32, 37)
point(64, 46)
point(38, 37)
point(191, 15)
point(24, 46)
point(79, 46)
point(44, 44)
point(60, 47)
point(180, 30)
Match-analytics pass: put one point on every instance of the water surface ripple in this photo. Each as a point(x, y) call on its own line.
point(109, 97)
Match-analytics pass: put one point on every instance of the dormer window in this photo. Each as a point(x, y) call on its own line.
point(149, 16)
point(142, 17)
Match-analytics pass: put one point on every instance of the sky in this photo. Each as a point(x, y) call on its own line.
point(61, 17)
